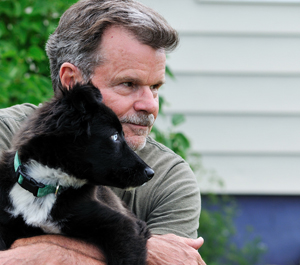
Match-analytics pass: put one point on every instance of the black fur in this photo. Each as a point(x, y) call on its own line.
point(73, 133)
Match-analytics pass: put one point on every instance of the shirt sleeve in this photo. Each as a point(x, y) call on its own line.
point(176, 203)
point(5, 135)
point(10, 121)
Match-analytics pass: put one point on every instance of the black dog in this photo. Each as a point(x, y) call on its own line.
point(49, 178)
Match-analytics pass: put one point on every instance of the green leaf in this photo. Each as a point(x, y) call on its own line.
point(3, 29)
point(6, 7)
point(177, 119)
point(169, 72)
point(36, 53)
point(17, 8)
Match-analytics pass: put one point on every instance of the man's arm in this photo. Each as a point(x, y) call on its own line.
point(175, 203)
point(170, 202)
point(55, 249)
point(51, 249)
point(177, 212)
point(172, 213)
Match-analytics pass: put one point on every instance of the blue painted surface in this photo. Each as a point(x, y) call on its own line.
point(276, 220)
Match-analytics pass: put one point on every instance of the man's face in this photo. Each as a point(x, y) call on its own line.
point(129, 80)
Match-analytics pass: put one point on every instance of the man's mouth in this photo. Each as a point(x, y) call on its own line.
point(138, 125)
point(137, 128)
point(139, 119)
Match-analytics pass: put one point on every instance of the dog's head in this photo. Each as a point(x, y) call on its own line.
point(77, 133)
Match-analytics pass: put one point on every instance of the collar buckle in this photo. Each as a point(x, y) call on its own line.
point(38, 189)
point(26, 182)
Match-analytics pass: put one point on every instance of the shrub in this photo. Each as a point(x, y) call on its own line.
point(24, 29)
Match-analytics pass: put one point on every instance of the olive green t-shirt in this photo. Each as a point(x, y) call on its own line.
point(169, 203)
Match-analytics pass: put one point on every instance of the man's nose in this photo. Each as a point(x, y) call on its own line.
point(147, 100)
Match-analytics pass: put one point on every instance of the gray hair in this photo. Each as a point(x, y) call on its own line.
point(78, 36)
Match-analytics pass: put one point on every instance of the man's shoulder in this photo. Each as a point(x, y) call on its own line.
point(160, 158)
point(154, 151)
point(11, 119)
point(157, 147)
point(17, 112)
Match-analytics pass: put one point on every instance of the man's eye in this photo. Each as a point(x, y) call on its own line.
point(115, 137)
point(155, 87)
point(128, 84)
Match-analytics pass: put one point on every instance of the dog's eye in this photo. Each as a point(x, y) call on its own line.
point(115, 137)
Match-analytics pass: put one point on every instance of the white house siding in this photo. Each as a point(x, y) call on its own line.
point(238, 84)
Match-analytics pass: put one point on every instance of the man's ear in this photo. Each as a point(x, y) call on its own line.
point(69, 75)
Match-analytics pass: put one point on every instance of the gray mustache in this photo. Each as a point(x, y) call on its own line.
point(139, 119)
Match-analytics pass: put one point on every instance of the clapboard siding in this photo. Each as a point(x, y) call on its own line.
point(248, 153)
point(212, 16)
point(237, 81)
point(239, 55)
point(233, 94)
point(242, 134)
point(266, 174)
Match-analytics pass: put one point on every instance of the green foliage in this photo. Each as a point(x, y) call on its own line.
point(217, 227)
point(176, 141)
point(24, 29)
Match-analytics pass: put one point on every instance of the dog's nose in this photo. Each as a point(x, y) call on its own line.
point(149, 173)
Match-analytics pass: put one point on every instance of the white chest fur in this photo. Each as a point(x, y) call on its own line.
point(36, 211)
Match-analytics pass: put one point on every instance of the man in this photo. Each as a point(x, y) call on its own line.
point(120, 46)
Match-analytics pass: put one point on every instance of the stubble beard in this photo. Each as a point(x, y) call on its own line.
point(138, 118)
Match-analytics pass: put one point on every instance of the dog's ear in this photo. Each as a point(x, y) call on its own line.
point(71, 112)
point(68, 115)
point(81, 103)
point(83, 97)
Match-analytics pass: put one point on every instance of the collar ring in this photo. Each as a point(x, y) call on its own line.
point(56, 191)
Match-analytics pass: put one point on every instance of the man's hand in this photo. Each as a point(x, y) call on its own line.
point(51, 249)
point(171, 249)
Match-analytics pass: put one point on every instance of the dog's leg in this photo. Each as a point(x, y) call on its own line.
point(123, 239)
